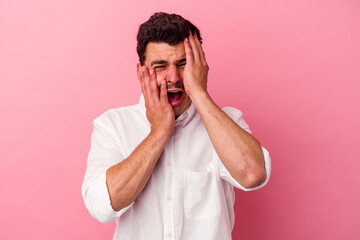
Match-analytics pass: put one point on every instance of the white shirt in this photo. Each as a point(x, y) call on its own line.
point(190, 193)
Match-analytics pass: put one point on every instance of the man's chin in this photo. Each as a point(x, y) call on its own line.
point(181, 108)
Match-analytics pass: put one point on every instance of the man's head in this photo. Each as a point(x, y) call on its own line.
point(160, 46)
point(163, 28)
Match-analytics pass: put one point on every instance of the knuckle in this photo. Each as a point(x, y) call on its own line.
point(148, 104)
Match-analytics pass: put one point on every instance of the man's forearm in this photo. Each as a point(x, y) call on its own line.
point(126, 180)
point(239, 151)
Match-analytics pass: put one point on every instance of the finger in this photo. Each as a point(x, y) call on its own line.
point(146, 80)
point(188, 52)
point(153, 86)
point(163, 93)
point(201, 50)
point(194, 47)
point(141, 78)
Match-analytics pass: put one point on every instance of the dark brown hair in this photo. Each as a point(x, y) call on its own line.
point(163, 27)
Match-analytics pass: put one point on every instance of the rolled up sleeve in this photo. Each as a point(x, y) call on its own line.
point(104, 153)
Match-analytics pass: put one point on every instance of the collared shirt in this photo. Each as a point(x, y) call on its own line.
point(190, 193)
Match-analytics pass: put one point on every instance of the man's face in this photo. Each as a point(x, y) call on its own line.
point(168, 63)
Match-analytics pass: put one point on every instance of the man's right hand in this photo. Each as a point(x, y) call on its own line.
point(159, 112)
point(127, 179)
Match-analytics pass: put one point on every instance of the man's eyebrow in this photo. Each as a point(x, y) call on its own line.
point(166, 62)
point(181, 60)
point(158, 62)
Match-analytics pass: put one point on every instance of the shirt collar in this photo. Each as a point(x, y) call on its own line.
point(182, 120)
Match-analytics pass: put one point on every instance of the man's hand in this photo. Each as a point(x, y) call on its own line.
point(196, 69)
point(158, 109)
point(127, 179)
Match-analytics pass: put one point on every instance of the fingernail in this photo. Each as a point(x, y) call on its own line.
point(143, 68)
point(186, 40)
point(151, 72)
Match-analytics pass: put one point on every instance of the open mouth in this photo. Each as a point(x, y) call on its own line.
point(175, 97)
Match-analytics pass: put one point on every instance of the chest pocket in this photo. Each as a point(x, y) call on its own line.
point(201, 195)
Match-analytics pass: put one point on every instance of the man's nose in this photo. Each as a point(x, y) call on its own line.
point(173, 74)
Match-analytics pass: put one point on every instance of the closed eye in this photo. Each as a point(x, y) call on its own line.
point(182, 65)
point(160, 68)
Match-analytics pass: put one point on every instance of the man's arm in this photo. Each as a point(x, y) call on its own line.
point(127, 179)
point(239, 151)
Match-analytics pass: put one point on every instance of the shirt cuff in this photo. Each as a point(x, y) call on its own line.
point(98, 201)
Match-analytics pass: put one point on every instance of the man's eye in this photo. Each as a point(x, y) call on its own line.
point(182, 65)
point(159, 68)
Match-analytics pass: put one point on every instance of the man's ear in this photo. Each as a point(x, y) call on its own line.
point(138, 69)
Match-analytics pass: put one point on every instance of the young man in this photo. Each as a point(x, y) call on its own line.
point(165, 168)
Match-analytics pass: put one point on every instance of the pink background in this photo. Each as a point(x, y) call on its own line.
point(292, 67)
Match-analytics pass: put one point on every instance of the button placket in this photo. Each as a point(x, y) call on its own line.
point(169, 191)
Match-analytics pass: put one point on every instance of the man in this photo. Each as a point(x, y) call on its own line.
point(165, 168)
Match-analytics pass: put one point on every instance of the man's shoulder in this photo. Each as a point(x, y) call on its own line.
point(237, 116)
point(232, 112)
point(120, 114)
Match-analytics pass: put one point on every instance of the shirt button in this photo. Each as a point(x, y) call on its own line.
point(169, 235)
point(169, 198)
point(169, 164)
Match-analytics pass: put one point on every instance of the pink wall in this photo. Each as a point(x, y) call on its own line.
point(293, 67)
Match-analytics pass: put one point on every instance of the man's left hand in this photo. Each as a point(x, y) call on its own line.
point(196, 68)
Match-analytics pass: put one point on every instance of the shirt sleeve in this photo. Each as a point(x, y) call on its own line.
point(237, 116)
point(104, 153)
